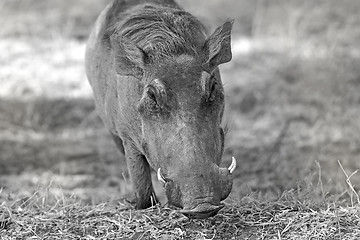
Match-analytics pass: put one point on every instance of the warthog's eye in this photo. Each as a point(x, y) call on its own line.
point(214, 89)
point(151, 93)
point(152, 102)
point(149, 103)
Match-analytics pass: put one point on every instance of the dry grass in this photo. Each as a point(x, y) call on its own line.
point(291, 216)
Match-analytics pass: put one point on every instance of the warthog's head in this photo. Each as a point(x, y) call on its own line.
point(181, 104)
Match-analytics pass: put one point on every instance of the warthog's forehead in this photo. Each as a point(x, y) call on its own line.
point(183, 74)
point(184, 59)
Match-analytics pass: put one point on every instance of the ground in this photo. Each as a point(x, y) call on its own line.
point(292, 109)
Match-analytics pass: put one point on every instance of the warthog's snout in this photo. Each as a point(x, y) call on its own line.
point(199, 193)
point(204, 210)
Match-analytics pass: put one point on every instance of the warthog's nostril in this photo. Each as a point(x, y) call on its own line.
point(202, 211)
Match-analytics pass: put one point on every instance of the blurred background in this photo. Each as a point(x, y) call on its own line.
point(292, 92)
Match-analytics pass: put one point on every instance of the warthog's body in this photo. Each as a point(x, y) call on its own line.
point(157, 87)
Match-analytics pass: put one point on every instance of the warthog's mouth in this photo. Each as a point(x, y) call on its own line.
point(201, 211)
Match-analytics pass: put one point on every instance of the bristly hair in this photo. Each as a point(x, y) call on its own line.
point(161, 31)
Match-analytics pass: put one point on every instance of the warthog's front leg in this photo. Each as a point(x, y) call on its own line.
point(140, 175)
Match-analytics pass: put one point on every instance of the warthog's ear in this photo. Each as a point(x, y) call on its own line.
point(128, 57)
point(218, 47)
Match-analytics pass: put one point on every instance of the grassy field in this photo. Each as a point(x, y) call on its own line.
point(292, 92)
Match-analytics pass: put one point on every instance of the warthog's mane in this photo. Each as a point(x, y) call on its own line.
point(161, 31)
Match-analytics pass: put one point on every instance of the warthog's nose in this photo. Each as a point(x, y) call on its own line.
point(204, 210)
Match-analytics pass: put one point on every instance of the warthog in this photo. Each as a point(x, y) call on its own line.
point(157, 87)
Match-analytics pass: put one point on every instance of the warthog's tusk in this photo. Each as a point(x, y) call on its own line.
point(160, 176)
point(232, 166)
